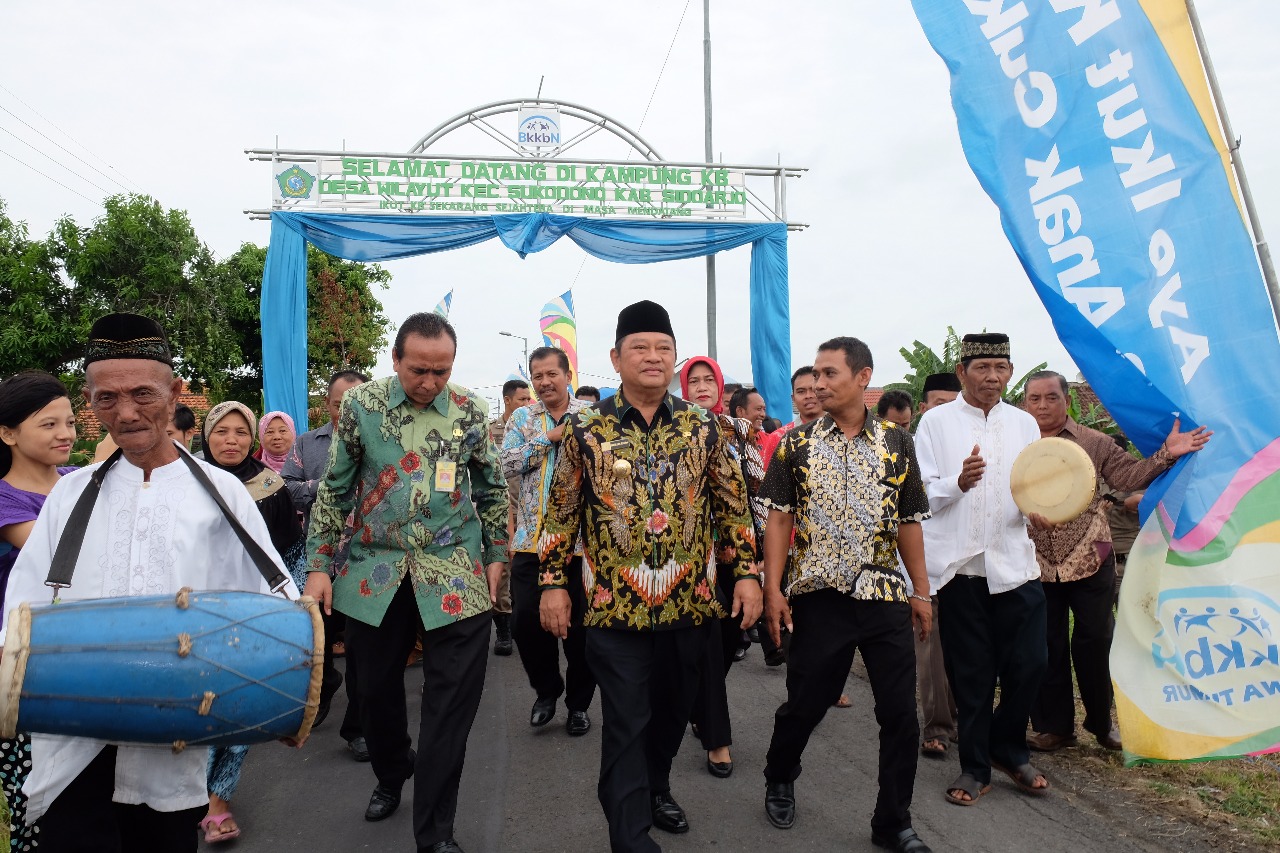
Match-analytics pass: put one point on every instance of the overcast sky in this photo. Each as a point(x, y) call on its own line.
point(902, 240)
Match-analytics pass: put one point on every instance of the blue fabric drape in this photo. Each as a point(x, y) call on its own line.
point(365, 237)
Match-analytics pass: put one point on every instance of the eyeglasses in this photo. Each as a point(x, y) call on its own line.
point(141, 397)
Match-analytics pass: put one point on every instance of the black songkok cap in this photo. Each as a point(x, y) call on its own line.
point(127, 336)
point(941, 382)
point(644, 316)
point(988, 345)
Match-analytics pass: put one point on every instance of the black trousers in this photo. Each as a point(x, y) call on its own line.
point(830, 627)
point(333, 624)
point(647, 683)
point(711, 703)
point(539, 650)
point(83, 819)
point(989, 639)
point(1088, 647)
point(351, 725)
point(453, 667)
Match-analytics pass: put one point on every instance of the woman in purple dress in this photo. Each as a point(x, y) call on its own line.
point(37, 431)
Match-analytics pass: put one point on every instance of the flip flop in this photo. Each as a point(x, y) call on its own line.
point(934, 747)
point(843, 702)
point(216, 820)
point(968, 784)
point(1024, 776)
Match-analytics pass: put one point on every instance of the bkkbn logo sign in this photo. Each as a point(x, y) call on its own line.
point(538, 128)
point(1220, 643)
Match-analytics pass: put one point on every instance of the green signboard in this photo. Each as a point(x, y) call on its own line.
point(371, 184)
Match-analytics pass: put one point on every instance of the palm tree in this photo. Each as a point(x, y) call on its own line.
point(924, 362)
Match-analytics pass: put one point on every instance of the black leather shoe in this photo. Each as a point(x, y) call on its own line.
point(359, 749)
point(775, 658)
point(903, 842)
point(382, 804)
point(543, 711)
point(667, 814)
point(449, 846)
point(719, 769)
point(321, 713)
point(780, 804)
point(578, 723)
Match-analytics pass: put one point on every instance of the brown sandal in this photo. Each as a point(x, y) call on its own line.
point(1025, 776)
point(934, 747)
point(967, 784)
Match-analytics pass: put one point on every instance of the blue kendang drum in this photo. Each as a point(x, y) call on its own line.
point(202, 668)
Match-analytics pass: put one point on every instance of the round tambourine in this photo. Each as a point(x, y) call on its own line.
point(1054, 477)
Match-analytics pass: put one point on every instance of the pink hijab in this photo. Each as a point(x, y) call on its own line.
point(718, 408)
point(275, 463)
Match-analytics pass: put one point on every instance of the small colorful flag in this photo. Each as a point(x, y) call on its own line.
point(560, 330)
point(443, 307)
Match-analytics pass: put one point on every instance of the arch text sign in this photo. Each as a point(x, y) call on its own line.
point(370, 183)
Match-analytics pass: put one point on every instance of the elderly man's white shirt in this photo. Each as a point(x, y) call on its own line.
point(143, 539)
point(983, 521)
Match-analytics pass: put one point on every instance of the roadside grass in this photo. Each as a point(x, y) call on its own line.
point(1237, 799)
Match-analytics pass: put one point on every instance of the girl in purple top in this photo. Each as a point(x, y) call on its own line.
point(37, 430)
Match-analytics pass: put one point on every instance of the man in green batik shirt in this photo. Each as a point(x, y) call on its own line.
point(650, 481)
point(411, 458)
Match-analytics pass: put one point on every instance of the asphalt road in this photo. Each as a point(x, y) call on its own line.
point(533, 790)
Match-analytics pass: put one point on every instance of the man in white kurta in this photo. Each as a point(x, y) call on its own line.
point(982, 567)
point(154, 530)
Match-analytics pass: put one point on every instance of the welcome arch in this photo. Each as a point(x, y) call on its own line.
point(379, 206)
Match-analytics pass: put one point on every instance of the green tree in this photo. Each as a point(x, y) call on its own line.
point(142, 258)
point(346, 326)
point(1094, 417)
point(924, 361)
point(38, 326)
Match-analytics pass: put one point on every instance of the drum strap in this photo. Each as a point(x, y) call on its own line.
point(270, 572)
point(68, 550)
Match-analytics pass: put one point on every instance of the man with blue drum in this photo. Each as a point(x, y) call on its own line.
point(157, 530)
point(411, 455)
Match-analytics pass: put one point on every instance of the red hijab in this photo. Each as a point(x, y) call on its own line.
point(718, 408)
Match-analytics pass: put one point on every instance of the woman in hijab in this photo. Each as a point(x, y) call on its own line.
point(277, 434)
point(37, 431)
point(228, 440)
point(702, 383)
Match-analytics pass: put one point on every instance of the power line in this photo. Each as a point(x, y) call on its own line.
point(664, 66)
point(72, 138)
point(66, 149)
point(50, 157)
point(50, 177)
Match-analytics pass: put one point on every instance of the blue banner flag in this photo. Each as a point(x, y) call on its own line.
point(1089, 123)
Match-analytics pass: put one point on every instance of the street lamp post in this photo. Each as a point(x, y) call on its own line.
point(525, 341)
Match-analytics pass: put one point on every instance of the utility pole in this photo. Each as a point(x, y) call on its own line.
point(706, 100)
point(523, 340)
point(1237, 163)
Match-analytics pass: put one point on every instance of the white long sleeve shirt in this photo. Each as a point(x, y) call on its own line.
point(982, 530)
point(143, 539)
